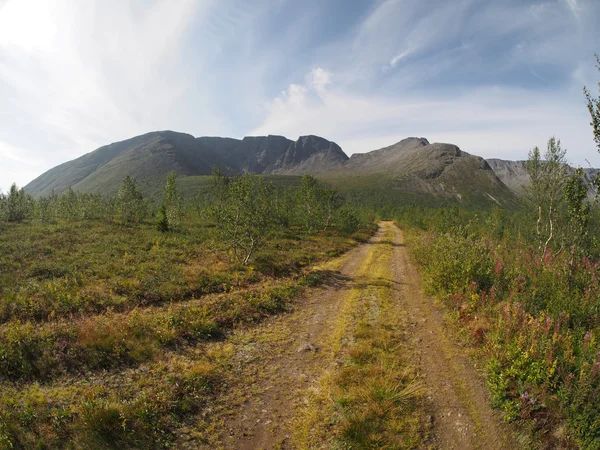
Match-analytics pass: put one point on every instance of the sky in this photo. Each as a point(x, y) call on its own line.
point(494, 77)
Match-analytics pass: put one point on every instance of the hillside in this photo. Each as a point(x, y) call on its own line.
point(514, 174)
point(155, 154)
point(412, 171)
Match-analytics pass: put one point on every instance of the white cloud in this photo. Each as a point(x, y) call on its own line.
point(490, 122)
point(319, 78)
point(28, 24)
point(83, 74)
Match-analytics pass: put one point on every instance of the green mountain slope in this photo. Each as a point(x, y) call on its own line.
point(415, 172)
point(412, 171)
point(151, 156)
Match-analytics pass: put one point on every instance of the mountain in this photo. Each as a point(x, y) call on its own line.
point(157, 153)
point(412, 171)
point(514, 175)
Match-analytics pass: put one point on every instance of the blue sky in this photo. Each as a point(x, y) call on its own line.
point(494, 77)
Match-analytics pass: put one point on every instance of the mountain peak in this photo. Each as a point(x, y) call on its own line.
point(413, 140)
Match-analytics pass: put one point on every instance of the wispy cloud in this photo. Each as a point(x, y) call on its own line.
point(496, 78)
point(491, 122)
point(574, 7)
point(81, 74)
point(400, 56)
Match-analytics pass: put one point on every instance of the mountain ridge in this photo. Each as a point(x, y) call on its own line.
point(159, 152)
point(411, 168)
point(514, 174)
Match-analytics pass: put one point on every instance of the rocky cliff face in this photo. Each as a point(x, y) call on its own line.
point(309, 154)
point(514, 175)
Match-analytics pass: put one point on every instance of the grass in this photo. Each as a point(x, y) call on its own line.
point(103, 327)
point(53, 271)
point(374, 399)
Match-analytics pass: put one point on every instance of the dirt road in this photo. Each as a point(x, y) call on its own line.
point(461, 415)
point(277, 364)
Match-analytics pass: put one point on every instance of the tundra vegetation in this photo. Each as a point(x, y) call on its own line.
point(524, 288)
point(105, 301)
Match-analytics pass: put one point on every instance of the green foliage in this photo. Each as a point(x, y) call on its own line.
point(547, 178)
point(44, 209)
point(130, 203)
point(593, 105)
point(536, 321)
point(242, 213)
point(172, 202)
point(578, 209)
point(162, 222)
point(316, 204)
point(16, 206)
point(348, 219)
point(68, 206)
point(456, 262)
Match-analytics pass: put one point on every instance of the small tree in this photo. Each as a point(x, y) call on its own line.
point(593, 105)
point(578, 209)
point(172, 202)
point(130, 202)
point(547, 178)
point(283, 203)
point(19, 205)
point(162, 223)
point(3, 208)
point(348, 220)
point(535, 190)
point(311, 204)
point(68, 205)
point(219, 190)
point(44, 210)
point(331, 202)
point(242, 213)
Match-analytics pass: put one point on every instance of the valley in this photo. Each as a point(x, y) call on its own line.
point(363, 306)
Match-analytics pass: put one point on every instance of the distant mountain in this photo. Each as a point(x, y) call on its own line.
point(514, 174)
point(414, 171)
point(157, 153)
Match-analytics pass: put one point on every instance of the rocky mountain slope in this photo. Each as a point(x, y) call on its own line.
point(514, 174)
point(157, 153)
point(412, 171)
